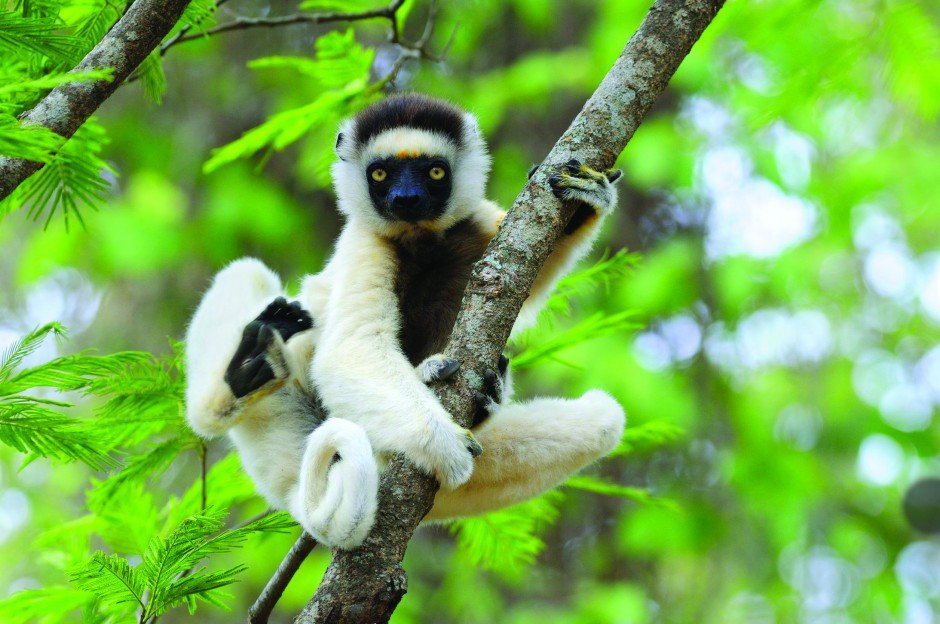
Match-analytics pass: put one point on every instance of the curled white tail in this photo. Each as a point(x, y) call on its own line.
point(336, 500)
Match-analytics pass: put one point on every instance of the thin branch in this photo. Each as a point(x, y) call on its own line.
point(244, 23)
point(182, 32)
point(261, 610)
point(124, 48)
point(366, 584)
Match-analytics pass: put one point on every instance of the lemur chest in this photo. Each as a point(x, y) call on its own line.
point(432, 275)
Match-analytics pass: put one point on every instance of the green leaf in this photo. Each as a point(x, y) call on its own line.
point(111, 578)
point(152, 77)
point(40, 606)
point(507, 540)
point(50, 81)
point(14, 355)
point(591, 328)
point(23, 36)
point(599, 486)
point(70, 181)
point(647, 436)
point(26, 142)
point(32, 428)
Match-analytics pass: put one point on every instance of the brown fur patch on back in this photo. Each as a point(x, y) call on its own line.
point(433, 272)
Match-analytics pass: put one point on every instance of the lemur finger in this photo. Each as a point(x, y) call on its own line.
point(613, 175)
point(249, 376)
point(492, 385)
point(248, 347)
point(532, 171)
point(572, 167)
point(503, 365)
point(482, 408)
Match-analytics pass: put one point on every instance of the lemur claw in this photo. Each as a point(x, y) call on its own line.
point(473, 446)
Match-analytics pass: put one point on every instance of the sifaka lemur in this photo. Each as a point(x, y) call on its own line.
point(366, 333)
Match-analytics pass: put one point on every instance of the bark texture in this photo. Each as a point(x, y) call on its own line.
point(365, 585)
point(65, 108)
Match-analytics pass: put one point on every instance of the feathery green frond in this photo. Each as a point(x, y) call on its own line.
point(595, 326)
point(227, 484)
point(32, 428)
point(652, 434)
point(152, 77)
point(602, 273)
point(599, 486)
point(42, 606)
point(111, 578)
point(141, 468)
point(26, 142)
point(14, 355)
point(70, 182)
point(50, 81)
point(341, 69)
point(22, 36)
point(506, 541)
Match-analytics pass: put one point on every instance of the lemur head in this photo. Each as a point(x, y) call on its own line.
point(410, 163)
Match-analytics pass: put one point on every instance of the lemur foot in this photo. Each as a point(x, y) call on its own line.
point(259, 357)
point(492, 394)
point(593, 190)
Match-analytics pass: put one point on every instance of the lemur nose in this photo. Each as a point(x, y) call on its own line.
point(400, 202)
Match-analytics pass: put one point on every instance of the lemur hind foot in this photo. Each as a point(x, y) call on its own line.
point(259, 357)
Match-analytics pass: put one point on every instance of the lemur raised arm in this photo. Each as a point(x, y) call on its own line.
point(410, 178)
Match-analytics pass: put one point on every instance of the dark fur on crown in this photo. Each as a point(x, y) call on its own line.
point(412, 110)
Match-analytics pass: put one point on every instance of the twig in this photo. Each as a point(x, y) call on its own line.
point(261, 610)
point(365, 585)
point(244, 23)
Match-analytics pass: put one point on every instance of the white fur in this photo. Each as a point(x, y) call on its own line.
point(271, 428)
point(378, 403)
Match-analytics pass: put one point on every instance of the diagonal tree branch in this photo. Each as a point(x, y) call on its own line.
point(365, 585)
point(66, 107)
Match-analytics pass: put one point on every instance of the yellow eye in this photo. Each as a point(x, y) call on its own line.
point(437, 173)
point(379, 174)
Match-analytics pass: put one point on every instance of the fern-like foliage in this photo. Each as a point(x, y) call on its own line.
point(546, 341)
point(340, 68)
point(600, 486)
point(24, 36)
point(70, 181)
point(506, 541)
point(43, 606)
point(169, 574)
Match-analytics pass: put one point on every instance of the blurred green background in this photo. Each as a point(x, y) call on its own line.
point(782, 196)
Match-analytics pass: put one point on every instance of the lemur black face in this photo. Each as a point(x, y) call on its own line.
point(409, 189)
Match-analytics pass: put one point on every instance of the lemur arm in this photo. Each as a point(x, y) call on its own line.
point(597, 198)
point(363, 375)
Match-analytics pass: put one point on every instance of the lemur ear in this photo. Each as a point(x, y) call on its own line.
point(339, 144)
point(471, 129)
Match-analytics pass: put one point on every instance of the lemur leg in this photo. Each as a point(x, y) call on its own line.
point(531, 447)
point(337, 494)
point(237, 295)
point(596, 197)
